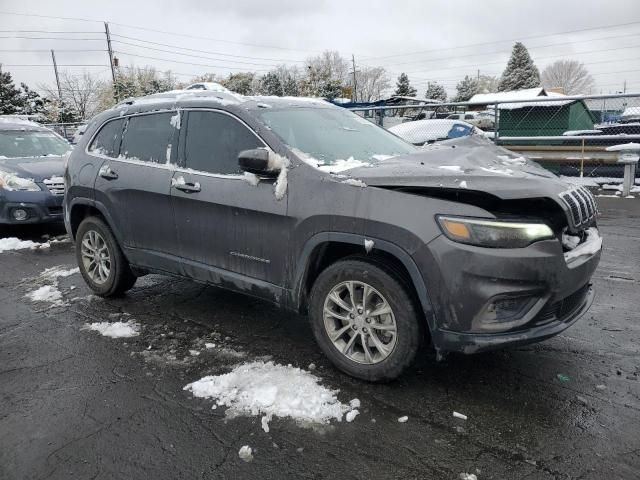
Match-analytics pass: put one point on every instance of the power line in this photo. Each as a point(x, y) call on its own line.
point(185, 63)
point(194, 56)
point(282, 60)
point(52, 38)
point(495, 52)
point(42, 31)
point(50, 16)
point(49, 65)
point(57, 50)
point(509, 40)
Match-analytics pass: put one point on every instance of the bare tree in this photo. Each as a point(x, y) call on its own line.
point(569, 75)
point(80, 93)
point(371, 82)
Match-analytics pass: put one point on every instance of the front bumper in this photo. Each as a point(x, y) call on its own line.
point(465, 281)
point(41, 207)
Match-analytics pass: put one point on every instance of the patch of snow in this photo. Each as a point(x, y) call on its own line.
point(350, 416)
point(507, 160)
point(209, 345)
point(354, 182)
point(251, 178)
point(175, 120)
point(404, 419)
point(499, 171)
point(115, 329)
point(278, 162)
point(168, 154)
point(380, 157)
point(264, 421)
point(459, 415)
point(246, 453)
point(194, 353)
point(342, 165)
point(570, 241)
point(632, 146)
point(368, 245)
point(46, 293)
point(312, 366)
point(468, 476)
point(265, 388)
point(354, 403)
point(305, 157)
point(463, 184)
point(591, 246)
point(453, 168)
point(13, 243)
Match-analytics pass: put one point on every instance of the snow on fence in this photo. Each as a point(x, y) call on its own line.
point(566, 134)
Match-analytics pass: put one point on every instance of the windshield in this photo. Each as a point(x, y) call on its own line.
point(333, 135)
point(20, 143)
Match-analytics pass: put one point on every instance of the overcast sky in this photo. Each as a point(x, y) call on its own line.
point(417, 37)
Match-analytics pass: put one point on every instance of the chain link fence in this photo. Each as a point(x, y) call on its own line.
point(70, 131)
point(568, 135)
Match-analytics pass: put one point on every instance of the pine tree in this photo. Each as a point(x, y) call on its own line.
point(466, 89)
point(521, 72)
point(330, 89)
point(270, 85)
point(11, 100)
point(435, 91)
point(33, 103)
point(403, 87)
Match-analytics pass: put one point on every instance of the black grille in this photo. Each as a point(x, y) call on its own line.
point(561, 308)
point(582, 206)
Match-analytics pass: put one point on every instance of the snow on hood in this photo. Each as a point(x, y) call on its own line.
point(37, 168)
point(473, 162)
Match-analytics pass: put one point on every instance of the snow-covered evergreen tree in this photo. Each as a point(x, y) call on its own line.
point(466, 89)
point(33, 103)
point(403, 87)
point(521, 72)
point(270, 85)
point(11, 100)
point(435, 91)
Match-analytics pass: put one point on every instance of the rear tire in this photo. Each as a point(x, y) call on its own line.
point(364, 320)
point(102, 263)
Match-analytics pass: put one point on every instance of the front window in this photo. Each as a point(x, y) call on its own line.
point(25, 143)
point(332, 136)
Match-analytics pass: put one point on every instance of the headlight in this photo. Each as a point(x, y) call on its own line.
point(10, 181)
point(493, 233)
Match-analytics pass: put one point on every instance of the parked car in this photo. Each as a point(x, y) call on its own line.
point(31, 169)
point(483, 120)
point(309, 206)
point(423, 132)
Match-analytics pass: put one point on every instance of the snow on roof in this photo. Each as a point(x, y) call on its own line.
point(517, 96)
point(624, 147)
point(525, 94)
point(17, 120)
point(630, 112)
point(213, 86)
point(572, 133)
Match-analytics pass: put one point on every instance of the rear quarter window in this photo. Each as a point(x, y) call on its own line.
point(107, 141)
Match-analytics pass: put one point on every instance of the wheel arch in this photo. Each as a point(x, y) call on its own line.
point(81, 208)
point(325, 248)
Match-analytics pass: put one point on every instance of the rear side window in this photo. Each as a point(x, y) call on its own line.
point(107, 142)
point(150, 138)
point(468, 117)
point(214, 141)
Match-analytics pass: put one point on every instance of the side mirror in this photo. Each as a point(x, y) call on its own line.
point(257, 161)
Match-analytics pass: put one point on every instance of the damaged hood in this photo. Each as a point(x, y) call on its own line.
point(472, 163)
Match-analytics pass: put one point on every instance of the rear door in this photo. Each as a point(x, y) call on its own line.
point(227, 225)
point(135, 187)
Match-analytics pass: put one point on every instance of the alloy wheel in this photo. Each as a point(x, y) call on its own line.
point(96, 257)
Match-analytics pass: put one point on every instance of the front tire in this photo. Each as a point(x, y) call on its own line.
point(364, 320)
point(102, 263)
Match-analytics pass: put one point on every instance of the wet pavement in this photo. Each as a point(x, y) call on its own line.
point(74, 404)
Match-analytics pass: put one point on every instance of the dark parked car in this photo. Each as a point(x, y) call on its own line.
point(31, 169)
point(315, 209)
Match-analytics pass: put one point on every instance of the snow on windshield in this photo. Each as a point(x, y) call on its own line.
point(333, 137)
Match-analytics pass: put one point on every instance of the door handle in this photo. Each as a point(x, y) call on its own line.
point(106, 172)
point(179, 183)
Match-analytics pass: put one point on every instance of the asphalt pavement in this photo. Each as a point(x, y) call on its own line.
point(75, 404)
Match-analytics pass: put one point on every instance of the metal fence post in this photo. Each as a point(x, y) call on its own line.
point(496, 124)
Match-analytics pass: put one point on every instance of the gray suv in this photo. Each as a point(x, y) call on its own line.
point(387, 246)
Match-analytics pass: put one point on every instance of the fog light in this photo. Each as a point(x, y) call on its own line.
point(20, 214)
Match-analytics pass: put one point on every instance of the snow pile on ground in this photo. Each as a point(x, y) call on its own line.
point(404, 419)
point(461, 416)
point(46, 293)
point(115, 329)
point(592, 181)
point(13, 243)
point(453, 168)
point(468, 476)
point(507, 160)
point(590, 246)
point(246, 453)
point(54, 273)
point(268, 389)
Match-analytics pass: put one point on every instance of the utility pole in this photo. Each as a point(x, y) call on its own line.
point(355, 85)
point(55, 69)
point(478, 77)
point(111, 64)
point(624, 88)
